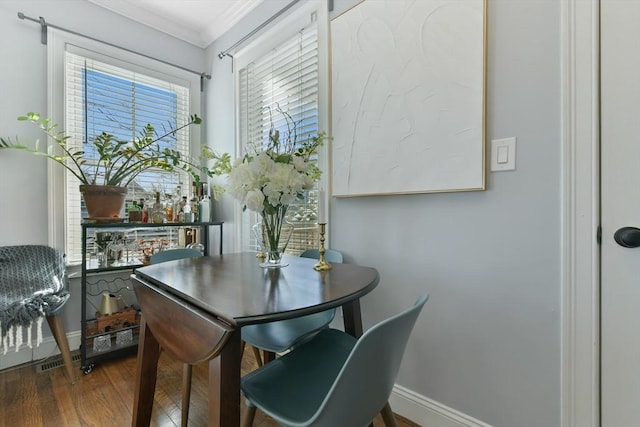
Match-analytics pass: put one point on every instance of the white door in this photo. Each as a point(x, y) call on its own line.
point(620, 207)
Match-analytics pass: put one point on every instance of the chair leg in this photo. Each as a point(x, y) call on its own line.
point(249, 416)
point(186, 393)
point(57, 328)
point(268, 356)
point(256, 354)
point(388, 417)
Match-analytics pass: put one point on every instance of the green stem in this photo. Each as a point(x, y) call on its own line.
point(273, 225)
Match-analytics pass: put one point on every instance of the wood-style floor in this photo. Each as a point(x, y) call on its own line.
point(104, 397)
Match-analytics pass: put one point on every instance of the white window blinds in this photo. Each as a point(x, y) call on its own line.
point(101, 97)
point(286, 78)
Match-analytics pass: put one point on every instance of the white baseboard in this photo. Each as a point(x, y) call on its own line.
point(427, 412)
point(47, 348)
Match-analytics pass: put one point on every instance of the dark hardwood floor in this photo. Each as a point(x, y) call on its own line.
point(104, 397)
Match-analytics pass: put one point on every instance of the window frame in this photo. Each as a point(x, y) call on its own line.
point(278, 33)
point(56, 108)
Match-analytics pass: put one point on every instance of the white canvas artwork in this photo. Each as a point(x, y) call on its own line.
point(408, 97)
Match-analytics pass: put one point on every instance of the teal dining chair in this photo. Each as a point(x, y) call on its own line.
point(333, 379)
point(330, 255)
point(280, 336)
point(171, 255)
point(174, 254)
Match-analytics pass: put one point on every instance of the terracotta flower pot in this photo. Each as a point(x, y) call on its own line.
point(103, 201)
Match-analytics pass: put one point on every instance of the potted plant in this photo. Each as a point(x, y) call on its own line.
point(118, 161)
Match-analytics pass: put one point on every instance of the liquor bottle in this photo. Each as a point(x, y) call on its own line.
point(145, 210)
point(188, 214)
point(158, 213)
point(180, 208)
point(177, 198)
point(204, 206)
point(168, 207)
point(193, 202)
point(134, 211)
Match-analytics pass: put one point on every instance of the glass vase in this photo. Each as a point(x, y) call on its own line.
point(273, 235)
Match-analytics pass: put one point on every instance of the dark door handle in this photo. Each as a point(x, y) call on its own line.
point(628, 237)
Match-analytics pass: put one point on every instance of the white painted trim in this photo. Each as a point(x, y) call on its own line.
point(580, 214)
point(59, 42)
point(427, 412)
point(48, 348)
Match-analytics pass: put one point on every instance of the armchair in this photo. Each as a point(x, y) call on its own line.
point(33, 287)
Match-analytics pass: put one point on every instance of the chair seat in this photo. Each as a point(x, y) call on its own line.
point(279, 336)
point(334, 379)
point(283, 379)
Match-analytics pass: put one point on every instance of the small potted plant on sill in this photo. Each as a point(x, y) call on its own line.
point(118, 161)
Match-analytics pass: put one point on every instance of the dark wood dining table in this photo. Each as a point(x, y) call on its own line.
point(195, 308)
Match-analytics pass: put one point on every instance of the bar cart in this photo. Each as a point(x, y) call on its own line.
point(112, 248)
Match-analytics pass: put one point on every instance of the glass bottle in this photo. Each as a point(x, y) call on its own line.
point(193, 202)
point(177, 199)
point(134, 211)
point(204, 206)
point(189, 216)
point(145, 210)
point(158, 213)
point(181, 205)
point(168, 207)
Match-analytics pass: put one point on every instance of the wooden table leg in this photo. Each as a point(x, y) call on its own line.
point(224, 384)
point(191, 336)
point(187, 373)
point(352, 318)
point(146, 370)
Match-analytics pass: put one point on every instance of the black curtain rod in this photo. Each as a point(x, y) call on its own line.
point(258, 28)
point(43, 39)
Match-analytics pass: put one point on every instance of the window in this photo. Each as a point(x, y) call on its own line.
point(104, 89)
point(286, 77)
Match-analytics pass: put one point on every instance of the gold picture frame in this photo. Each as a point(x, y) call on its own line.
point(408, 89)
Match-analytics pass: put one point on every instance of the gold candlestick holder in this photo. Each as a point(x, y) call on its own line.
point(322, 264)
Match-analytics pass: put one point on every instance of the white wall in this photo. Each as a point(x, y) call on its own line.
point(488, 342)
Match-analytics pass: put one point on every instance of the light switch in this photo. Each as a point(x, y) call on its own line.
point(503, 154)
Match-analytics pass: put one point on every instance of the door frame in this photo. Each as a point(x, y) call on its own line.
point(580, 127)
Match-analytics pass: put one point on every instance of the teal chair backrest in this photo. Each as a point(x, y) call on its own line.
point(173, 254)
point(369, 373)
point(330, 255)
point(281, 335)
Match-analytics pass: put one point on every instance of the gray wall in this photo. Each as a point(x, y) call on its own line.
point(488, 342)
point(23, 177)
point(24, 88)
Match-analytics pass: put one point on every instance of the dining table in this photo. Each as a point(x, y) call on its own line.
point(194, 309)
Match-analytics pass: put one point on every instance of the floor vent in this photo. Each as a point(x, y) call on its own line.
point(56, 362)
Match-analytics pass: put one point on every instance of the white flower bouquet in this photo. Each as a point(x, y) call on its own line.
point(270, 176)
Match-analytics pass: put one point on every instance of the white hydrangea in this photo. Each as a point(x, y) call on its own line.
point(272, 176)
point(254, 200)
